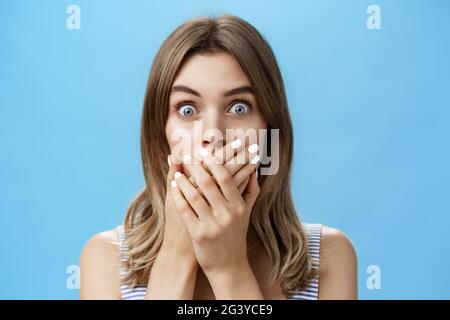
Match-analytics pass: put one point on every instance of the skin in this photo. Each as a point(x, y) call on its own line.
point(204, 252)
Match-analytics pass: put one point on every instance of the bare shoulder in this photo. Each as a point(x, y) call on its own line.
point(105, 241)
point(338, 265)
point(335, 242)
point(100, 267)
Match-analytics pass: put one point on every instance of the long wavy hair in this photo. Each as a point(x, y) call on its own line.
point(273, 215)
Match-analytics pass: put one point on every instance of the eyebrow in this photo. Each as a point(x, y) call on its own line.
point(242, 89)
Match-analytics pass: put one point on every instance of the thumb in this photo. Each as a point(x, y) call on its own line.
point(252, 191)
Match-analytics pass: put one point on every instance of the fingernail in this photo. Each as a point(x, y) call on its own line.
point(177, 175)
point(186, 158)
point(236, 144)
point(255, 160)
point(257, 173)
point(173, 184)
point(253, 148)
point(203, 152)
point(168, 159)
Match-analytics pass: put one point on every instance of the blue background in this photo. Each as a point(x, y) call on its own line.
point(370, 110)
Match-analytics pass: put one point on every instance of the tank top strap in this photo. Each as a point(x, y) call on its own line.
point(311, 291)
point(127, 292)
point(123, 250)
point(314, 231)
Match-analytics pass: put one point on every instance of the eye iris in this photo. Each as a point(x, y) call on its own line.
point(240, 109)
point(187, 111)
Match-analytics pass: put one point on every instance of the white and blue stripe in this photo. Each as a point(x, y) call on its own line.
point(311, 292)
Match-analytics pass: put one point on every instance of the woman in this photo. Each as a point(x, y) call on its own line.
point(207, 226)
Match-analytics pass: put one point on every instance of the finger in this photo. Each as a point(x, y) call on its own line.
point(174, 166)
point(195, 185)
point(205, 182)
point(228, 151)
point(224, 179)
point(252, 191)
point(247, 170)
point(187, 158)
point(187, 214)
point(241, 179)
point(193, 196)
point(242, 158)
point(183, 168)
point(193, 182)
point(243, 185)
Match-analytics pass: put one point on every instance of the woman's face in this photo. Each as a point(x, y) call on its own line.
point(209, 96)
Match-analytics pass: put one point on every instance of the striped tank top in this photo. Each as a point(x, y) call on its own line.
point(310, 292)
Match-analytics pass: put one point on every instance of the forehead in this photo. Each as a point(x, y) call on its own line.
point(217, 71)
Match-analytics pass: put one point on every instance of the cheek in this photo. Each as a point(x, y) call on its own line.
point(179, 136)
point(171, 130)
point(168, 133)
point(256, 122)
point(259, 124)
point(260, 121)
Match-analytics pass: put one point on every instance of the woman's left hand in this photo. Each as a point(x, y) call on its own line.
point(218, 224)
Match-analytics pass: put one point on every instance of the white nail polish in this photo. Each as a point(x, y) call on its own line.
point(177, 175)
point(255, 160)
point(236, 144)
point(186, 158)
point(173, 184)
point(168, 159)
point(203, 152)
point(253, 148)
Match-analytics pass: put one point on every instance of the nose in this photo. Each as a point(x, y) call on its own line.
point(213, 127)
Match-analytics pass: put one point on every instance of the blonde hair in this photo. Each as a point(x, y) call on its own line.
point(273, 214)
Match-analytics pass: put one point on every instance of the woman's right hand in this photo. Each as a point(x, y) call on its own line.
point(176, 236)
point(174, 271)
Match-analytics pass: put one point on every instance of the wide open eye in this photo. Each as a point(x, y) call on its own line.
point(186, 109)
point(240, 107)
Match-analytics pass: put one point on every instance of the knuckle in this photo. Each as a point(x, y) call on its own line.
point(207, 182)
point(184, 207)
point(241, 209)
point(203, 236)
point(196, 197)
point(214, 232)
point(198, 237)
point(226, 179)
point(227, 222)
point(192, 181)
